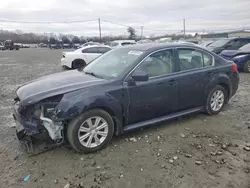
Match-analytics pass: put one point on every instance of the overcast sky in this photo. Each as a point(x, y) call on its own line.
point(152, 14)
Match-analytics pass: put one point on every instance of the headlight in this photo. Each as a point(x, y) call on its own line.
point(240, 56)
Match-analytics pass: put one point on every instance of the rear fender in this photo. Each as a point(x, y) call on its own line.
point(220, 79)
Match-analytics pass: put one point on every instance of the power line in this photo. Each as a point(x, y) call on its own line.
point(139, 28)
point(35, 22)
point(124, 25)
point(115, 23)
point(161, 30)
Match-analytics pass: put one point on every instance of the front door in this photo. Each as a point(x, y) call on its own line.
point(159, 95)
point(195, 72)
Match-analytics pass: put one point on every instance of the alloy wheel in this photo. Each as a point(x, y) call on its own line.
point(248, 67)
point(217, 100)
point(93, 132)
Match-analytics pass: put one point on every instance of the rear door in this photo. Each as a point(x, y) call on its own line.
point(196, 68)
point(90, 53)
point(159, 95)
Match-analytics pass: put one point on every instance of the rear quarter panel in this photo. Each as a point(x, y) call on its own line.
point(224, 75)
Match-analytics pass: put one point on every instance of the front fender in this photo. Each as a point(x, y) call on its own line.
point(80, 101)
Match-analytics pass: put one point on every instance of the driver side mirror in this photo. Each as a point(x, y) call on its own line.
point(140, 76)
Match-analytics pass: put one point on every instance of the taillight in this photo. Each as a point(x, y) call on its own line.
point(235, 68)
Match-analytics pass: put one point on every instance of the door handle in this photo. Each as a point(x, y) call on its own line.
point(172, 83)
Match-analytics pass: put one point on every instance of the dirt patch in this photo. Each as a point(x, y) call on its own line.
point(196, 151)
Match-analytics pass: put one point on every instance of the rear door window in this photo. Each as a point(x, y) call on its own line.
point(91, 50)
point(103, 50)
point(193, 59)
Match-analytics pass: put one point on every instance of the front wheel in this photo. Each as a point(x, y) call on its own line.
point(216, 100)
point(247, 67)
point(91, 131)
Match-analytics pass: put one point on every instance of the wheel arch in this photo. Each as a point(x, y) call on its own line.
point(227, 88)
point(117, 122)
point(224, 81)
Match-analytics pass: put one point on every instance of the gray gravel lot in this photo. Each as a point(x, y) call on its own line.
point(193, 152)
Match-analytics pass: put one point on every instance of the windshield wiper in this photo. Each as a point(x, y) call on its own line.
point(93, 74)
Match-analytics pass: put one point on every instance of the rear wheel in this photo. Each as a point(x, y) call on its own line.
point(216, 100)
point(78, 64)
point(91, 131)
point(247, 67)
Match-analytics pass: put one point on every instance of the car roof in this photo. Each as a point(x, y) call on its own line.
point(91, 46)
point(157, 46)
point(123, 41)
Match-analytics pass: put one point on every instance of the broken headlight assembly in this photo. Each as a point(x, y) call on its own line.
point(47, 108)
point(47, 112)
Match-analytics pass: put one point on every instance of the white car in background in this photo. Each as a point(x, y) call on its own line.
point(82, 56)
point(118, 43)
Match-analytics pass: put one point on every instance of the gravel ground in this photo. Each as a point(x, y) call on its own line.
point(192, 152)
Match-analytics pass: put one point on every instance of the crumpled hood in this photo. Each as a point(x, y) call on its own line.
point(55, 84)
point(234, 52)
point(229, 52)
point(214, 49)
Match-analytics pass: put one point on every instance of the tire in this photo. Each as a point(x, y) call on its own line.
point(247, 67)
point(78, 64)
point(86, 146)
point(210, 108)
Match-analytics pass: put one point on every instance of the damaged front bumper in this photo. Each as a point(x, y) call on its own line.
point(34, 134)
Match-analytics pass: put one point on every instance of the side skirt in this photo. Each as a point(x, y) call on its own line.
point(161, 119)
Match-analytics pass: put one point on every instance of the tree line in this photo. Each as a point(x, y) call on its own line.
point(50, 38)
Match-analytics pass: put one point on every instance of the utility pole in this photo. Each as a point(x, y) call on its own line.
point(141, 32)
point(100, 30)
point(184, 28)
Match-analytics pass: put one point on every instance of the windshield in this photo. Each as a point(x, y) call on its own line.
point(220, 43)
point(113, 63)
point(246, 47)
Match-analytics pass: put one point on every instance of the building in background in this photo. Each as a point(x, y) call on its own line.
point(241, 33)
